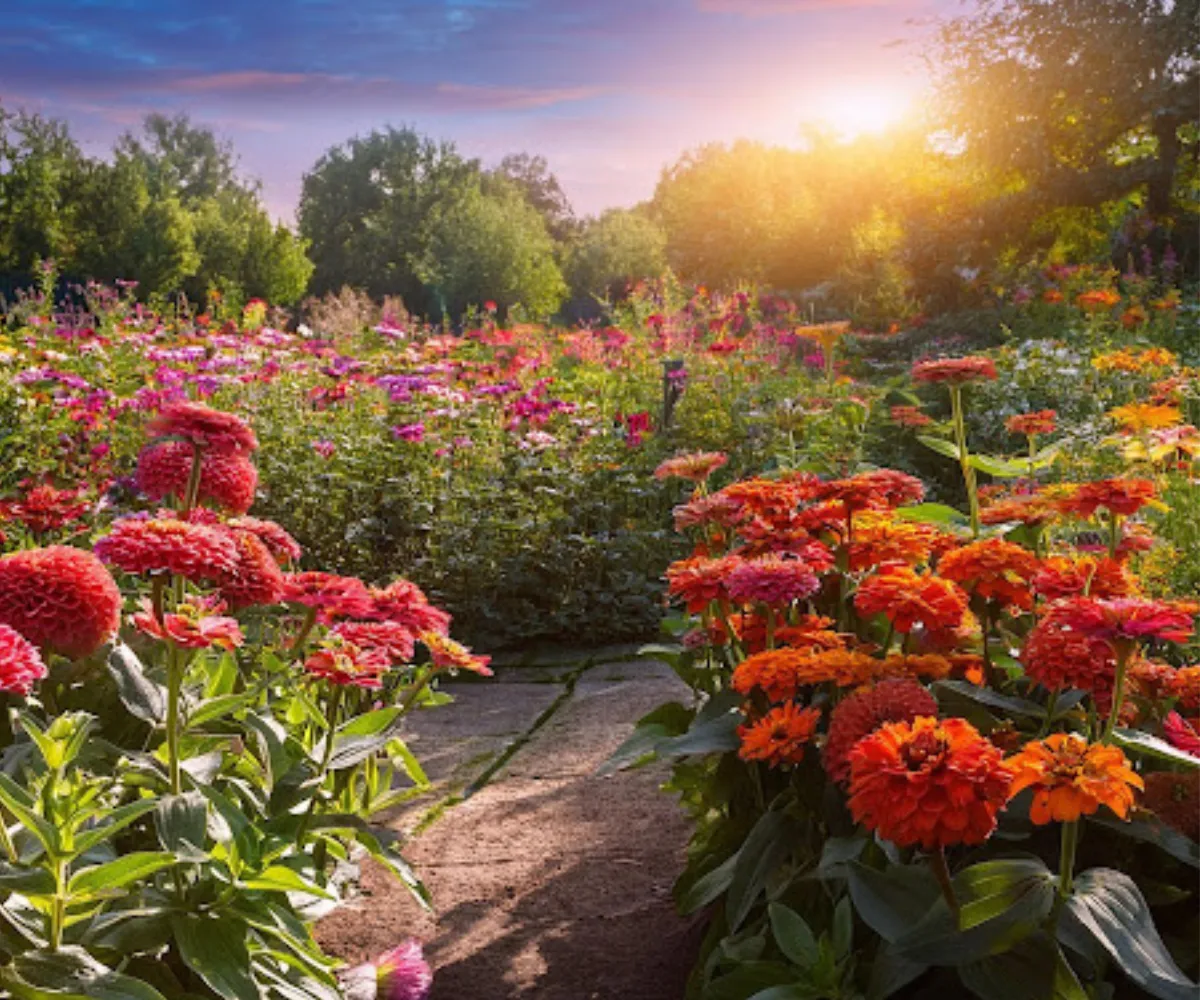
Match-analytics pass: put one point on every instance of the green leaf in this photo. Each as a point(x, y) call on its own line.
point(891, 901)
point(708, 887)
point(118, 819)
point(793, 936)
point(941, 446)
point(891, 972)
point(989, 698)
point(70, 973)
point(1035, 967)
point(796, 991)
point(406, 760)
point(843, 928)
point(748, 979)
point(1153, 831)
point(361, 737)
point(932, 513)
point(1002, 468)
point(1108, 906)
point(712, 731)
point(1152, 746)
point(17, 800)
point(768, 845)
point(665, 722)
point(181, 821)
point(142, 696)
point(215, 949)
point(215, 708)
point(26, 881)
point(116, 874)
point(280, 878)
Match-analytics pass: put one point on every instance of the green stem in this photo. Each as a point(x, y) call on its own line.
point(192, 495)
point(964, 457)
point(331, 715)
point(1114, 534)
point(887, 639)
point(306, 627)
point(989, 670)
point(1050, 709)
point(174, 689)
point(937, 863)
point(1118, 696)
point(6, 840)
point(770, 627)
point(58, 910)
point(1066, 863)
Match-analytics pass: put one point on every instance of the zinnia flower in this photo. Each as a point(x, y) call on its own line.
point(1059, 657)
point(1072, 778)
point(192, 625)
point(404, 603)
point(928, 782)
point(1186, 687)
point(227, 479)
point(772, 580)
point(60, 599)
point(1031, 424)
point(696, 467)
point(955, 371)
point(863, 712)
point(255, 578)
point(447, 654)
point(1125, 619)
point(1181, 734)
point(880, 538)
point(21, 665)
point(390, 637)
point(168, 545)
point(1097, 299)
point(780, 736)
point(211, 430)
point(403, 973)
point(331, 596)
point(1032, 511)
point(45, 508)
point(279, 543)
point(699, 581)
point(994, 570)
point(1138, 417)
point(908, 598)
point(1067, 576)
point(343, 663)
point(909, 416)
point(1118, 496)
point(1175, 799)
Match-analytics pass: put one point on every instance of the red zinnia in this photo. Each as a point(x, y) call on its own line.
point(168, 545)
point(390, 637)
point(330, 595)
point(1181, 735)
point(340, 662)
point(1125, 619)
point(1118, 496)
point(699, 581)
point(227, 479)
point(1058, 657)
point(1030, 424)
point(279, 543)
point(204, 427)
point(255, 578)
point(1064, 576)
point(865, 711)
point(192, 626)
point(930, 783)
point(954, 371)
point(45, 508)
point(404, 603)
point(60, 599)
point(21, 665)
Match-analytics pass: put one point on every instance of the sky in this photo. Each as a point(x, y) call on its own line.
point(609, 91)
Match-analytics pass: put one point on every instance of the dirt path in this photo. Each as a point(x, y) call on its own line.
point(550, 883)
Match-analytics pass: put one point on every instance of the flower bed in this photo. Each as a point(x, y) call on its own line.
point(934, 752)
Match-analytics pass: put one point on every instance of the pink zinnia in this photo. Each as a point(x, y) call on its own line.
point(772, 580)
point(168, 545)
point(227, 479)
point(1181, 735)
point(204, 427)
point(409, 432)
point(20, 663)
point(330, 595)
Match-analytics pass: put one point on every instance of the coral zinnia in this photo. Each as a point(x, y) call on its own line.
point(331, 596)
point(1118, 496)
point(1029, 510)
point(695, 467)
point(909, 416)
point(1125, 619)
point(880, 538)
point(1186, 687)
point(255, 578)
point(928, 782)
point(212, 430)
point(1029, 424)
point(780, 736)
point(447, 654)
point(403, 974)
point(865, 711)
point(1072, 778)
point(21, 665)
point(391, 637)
point(341, 663)
point(993, 569)
point(955, 371)
point(227, 479)
point(699, 581)
point(60, 599)
point(44, 508)
point(192, 626)
point(1067, 576)
point(168, 545)
point(1175, 799)
point(1181, 734)
point(772, 580)
point(278, 541)
point(404, 603)
point(908, 598)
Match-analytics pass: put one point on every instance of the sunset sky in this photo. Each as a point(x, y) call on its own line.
point(609, 91)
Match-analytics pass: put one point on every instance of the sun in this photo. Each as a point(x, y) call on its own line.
point(852, 111)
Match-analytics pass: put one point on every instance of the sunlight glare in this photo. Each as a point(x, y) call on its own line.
point(858, 110)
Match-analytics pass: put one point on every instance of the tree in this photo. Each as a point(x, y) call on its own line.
point(532, 175)
point(181, 159)
point(1076, 103)
point(490, 246)
point(613, 251)
point(367, 206)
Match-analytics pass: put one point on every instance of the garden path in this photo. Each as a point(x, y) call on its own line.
point(550, 882)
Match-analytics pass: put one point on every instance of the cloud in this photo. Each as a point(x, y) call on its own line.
point(776, 8)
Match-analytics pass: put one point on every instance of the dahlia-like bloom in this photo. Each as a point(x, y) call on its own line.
point(1138, 417)
point(1057, 657)
point(1072, 778)
point(278, 541)
point(862, 712)
point(1118, 496)
point(810, 632)
point(1073, 576)
point(955, 371)
point(390, 637)
point(60, 599)
point(769, 498)
point(44, 508)
point(256, 578)
point(909, 416)
point(447, 654)
point(21, 664)
point(1175, 799)
point(1125, 619)
point(404, 603)
point(928, 782)
point(330, 595)
point(1032, 511)
point(772, 580)
point(168, 545)
point(403, 973)
point(1186, 687)
point(1127, 360)
point(341, 663)
point(1181, 734)
point(894, 488)
point(711, 509)
point(194, 625)
point(780, 736)
point(880, 538)
point(227, 479)
point(909, 598)
point(698, 581)
point(928, 666)
point(695, 468)
point(876, 490)
point(212, 430)
point(1151, 680)
point(778, 673)
point(772, 671)
point(993, 569)
point(1029, 424)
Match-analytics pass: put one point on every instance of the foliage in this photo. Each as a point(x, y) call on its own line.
point(613, 252)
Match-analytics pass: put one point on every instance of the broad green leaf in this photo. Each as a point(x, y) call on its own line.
point(27, 881)
point(666, 721)
point(768, 845)
point(932, 513)
point(708, 887)
point(842, 936)
point(989, 698)
point(215, 708)
point(793, 935)
point(1002, 468)
point(1152, 746)
point(17, 801)
point(70, 973)
point(222, 676)
point(1154, 831)
point(280, 878)
point(181, 821)
point(793, 992)
point(717, 734)
point(748, 979)
point(1035, 967)
point(891, 901)
point(1109, 907)
point(890, 972)
point(118, 819)
point(116, 874)
point(143, 697)
point(399, 752)
point(941, 446)
point(359, 738)
point(215, 949)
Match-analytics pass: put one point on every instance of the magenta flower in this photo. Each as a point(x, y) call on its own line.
point(409, 432)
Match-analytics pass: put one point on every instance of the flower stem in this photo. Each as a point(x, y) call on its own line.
point(192, 496)
point(174, 689)
point(770, 627)
point(937, 864)
point(1114, 534)
point(1066, 862)
point(58, 911)
point(964, 457)
point(9, 847)
point(1118, 695)
point(306, 627)
point(331, 714)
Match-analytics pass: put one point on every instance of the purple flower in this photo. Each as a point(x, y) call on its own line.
point(409, 432)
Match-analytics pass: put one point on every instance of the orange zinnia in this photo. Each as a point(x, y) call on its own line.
point(1138, 417)
point(930, 783)
point(1029, 424)
point(879, 538)
point(1118, 496)
point(780, 736)
point(1072, 778)
point(1067, 576)
point(773, 672)
point(699, 581)
point(930, 666)
point(1029, 510)
point(994, 570)
point(859, 715)
point(955, 371)
point(908, 598)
